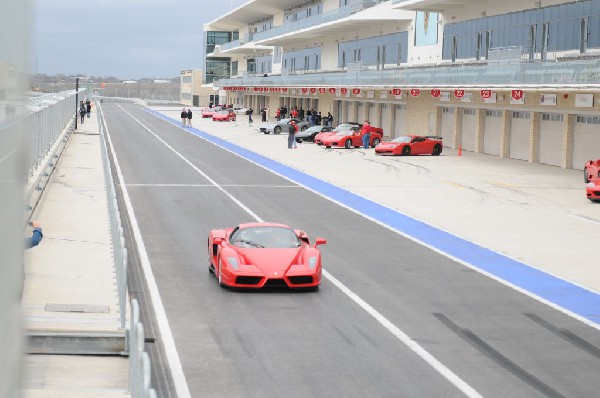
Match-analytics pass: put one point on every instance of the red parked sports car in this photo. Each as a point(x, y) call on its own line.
point(257, 255)
point(225, 115)
point(411, 145)
point(209, 112)
point(593, 189)
point(341, 127)
point(591, 170)
point(352, 138)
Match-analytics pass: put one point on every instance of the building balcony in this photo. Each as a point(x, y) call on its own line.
point(571, 73)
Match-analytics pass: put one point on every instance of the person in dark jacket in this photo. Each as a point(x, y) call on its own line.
point(189, 117)
point(250, 112)
point(183, 117)
point(264, 114)
point(292, 130)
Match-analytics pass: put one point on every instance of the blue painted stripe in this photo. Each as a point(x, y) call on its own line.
point(564, 294)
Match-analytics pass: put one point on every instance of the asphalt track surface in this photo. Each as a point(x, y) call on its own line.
point(406, 322)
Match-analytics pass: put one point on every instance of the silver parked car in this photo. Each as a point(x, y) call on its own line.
point(282, 125)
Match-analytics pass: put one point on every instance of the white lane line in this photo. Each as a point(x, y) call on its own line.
point(179, 381)
point(9, 154)
point(212, 186)
point(584, 218)
point(403, 337)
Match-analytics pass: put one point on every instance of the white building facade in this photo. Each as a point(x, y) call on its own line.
point(514, 79)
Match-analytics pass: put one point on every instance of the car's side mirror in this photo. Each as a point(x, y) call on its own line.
point(217, 240)
point(320, 241)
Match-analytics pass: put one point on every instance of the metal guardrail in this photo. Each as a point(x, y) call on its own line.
point(139, 361)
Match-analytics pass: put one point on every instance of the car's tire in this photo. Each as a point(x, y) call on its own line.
point(348, 144)
point(299, 140)
point(585, 176)
point(437, 149)
point(220, 276)
point(376, 142)
point(303, 128)
point(277, 130)
point(312, 137)
point(406, 150)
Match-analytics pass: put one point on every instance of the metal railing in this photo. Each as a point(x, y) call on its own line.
point(139, 362)
point(582, 72)
point(116, 228)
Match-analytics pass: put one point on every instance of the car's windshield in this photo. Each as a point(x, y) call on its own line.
point(403, 138)
point(345, 133)
point(265, 237)
point(223, 113)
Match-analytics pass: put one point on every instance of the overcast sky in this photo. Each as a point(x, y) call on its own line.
point(129, 39)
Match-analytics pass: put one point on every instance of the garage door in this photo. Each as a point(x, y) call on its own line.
point(469, 129)
point(400, 125)
point(349, 109)
point(362, 112)
point(386, 120)
point(551, 138)
point(519, 135)
point(447, 128)
point(586, 140)
point(493, 132)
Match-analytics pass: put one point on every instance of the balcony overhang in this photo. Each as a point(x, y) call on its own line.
point(371, 18)
point(249, 13)
point(440, 6)
point(248, 49)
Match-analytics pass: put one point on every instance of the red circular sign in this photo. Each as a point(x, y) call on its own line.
point(356, 91)
point(517, 94)
point(485, 94)
point(415, 92)
point(435, 93)
point(396, 91)
point(332, 90)
point(344, 90)
point(459, 93)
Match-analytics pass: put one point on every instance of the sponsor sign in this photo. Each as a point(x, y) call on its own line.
point(435, 93)
point(517, 97)
point(584, 100)
point(486, 94)
point(548, 99)
point(415, 92)
point(467, 97)
point(459, 93)
point(491, 99)
point(445, 96)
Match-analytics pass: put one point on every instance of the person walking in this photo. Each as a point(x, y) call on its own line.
point(292, 130)
point(366, 134)
point(278, 114)
point(250, 112)
point(82, 112)
point(183, 117)
point(189, 117)
point(88, 107)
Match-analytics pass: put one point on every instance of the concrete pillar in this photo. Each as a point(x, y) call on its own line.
point(458, 116)
point(534, 137)
point(378, 114)
point(342, 118)
point(568, 140)
point(438, 120)
point(480, 131)
point(505, 134)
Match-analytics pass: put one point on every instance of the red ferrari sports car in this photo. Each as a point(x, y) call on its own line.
point(257, 255)
point(341, 127)
point(591, 170)
point(411, 145)
point(351, 138)
point(224, 115)
point(209, 112)
point(593, 189)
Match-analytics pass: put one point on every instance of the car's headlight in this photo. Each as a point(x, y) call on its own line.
point(312, 262)
point(591, 185)
point(233, 262)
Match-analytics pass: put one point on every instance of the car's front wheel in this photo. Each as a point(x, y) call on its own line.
point(585, 176)
point(376, 142)
point(406, 150)
point(348, 144)
point(277, 130)
point(437, 149)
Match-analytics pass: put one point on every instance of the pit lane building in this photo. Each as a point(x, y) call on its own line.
point(514, 78)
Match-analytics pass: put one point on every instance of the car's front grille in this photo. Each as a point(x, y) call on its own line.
point(301, 280)
point(248, 280)
point(275, 283)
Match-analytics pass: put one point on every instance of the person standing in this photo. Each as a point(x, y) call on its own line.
point(278, 114)
point(250, 112)
point(329, 119)
point(189, 117)
point(292, 130)
point(366, 134)
point(264, 114)
point(88, 107)
point(183, 117)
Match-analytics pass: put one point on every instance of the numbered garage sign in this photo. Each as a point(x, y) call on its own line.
point(517, 97)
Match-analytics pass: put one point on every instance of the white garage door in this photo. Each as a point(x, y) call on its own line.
point(447, 129)
point(493, 132)
point(386, 120)
point(469, 129)
point(519, 135)
point(551, 138)
point(399, 126)
point(362, 112)
point(586, 142)
point(349, 109)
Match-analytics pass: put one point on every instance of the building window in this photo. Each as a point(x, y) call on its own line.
point(587, 119)
point(493, 113)
point(552, 117)
point(469, 111)
point(447, 109)
point(520, 115)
